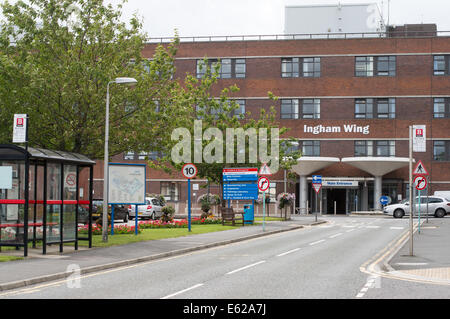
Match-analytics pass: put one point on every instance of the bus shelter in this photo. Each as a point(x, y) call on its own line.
point(58, 197)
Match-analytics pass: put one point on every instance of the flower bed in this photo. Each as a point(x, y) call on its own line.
point(159, 224)
point(120, 229)
point(206, 221)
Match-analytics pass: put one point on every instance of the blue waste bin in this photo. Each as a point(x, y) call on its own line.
point(249, 214)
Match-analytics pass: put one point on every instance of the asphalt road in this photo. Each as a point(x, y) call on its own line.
point(314, 262)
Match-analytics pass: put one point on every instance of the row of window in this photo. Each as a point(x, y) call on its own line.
point(294, 67)
point(441, 149)
point(370, 108)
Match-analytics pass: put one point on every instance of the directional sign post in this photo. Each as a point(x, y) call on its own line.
point(189, 171)
point(263, 186)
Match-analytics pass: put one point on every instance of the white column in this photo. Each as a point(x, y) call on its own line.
point(377, 192)
point(303, 194)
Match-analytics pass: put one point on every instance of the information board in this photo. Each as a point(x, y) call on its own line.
point(126, 184)
point(240, 191)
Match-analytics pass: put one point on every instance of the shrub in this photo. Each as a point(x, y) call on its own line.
point(167, 214)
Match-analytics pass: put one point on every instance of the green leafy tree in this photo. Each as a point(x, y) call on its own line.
point(56, 59)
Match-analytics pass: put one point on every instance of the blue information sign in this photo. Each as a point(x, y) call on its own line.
point(384, 200)
point(240, 191)
point(317, 179)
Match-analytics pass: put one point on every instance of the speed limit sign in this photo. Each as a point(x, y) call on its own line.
point(189, 171)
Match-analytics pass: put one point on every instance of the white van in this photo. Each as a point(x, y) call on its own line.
point(445, 194)
point(152, 209)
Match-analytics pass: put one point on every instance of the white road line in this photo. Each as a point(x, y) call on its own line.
point(336, 235)
point(374, 227)
point(317, 242)
point(411, 264)
point(182, 291)
point(246, 267)
point(350, 230)
point(396, 227)
point(288, 252)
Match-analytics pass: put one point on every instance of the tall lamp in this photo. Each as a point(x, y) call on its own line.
point(129, 81)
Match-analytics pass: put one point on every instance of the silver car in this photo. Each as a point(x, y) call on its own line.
point(437, 207)
point(152, 209)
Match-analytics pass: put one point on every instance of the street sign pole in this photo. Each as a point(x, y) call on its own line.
point(189, 204)
point(428, 183)
point(419, 211)
point(411, 189)
point(264, 211)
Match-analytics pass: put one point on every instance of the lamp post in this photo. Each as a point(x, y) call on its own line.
point(106, 159)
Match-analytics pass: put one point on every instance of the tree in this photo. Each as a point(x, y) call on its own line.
point(218, 112)
point(56, 58)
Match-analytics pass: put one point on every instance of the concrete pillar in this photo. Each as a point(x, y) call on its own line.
point(303, 194)
point(377, 190)
point(365, 198)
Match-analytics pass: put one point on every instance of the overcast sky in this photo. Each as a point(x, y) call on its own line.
point(246, 17)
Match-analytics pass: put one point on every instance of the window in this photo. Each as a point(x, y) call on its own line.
point(441, 151)
point(311, 109)
point(364, 66)
point(290, 147)
point(363, 148)
point(311, 148)
point(311, 67)
point(384, 108)
point(364, 108)
point(375, 66)
point(385, 148)
point(386, 66)
point(296, 67)
point(374, 148)
point(229, 68)
point(216, 111)
point(241, 109)
point(289, 109)
point(290, 67)
point(441, 65)
point(152, 155)
point(170, 191)
point(441, 108)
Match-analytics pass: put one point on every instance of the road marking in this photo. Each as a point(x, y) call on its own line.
point(246, 267)
point(370, 283)
point(393, 227)
point(288, 252)
point(336, 235)
point(411, 264)
point(374, 227)
point(317, 242)
point(182, 291)
point(350, 230)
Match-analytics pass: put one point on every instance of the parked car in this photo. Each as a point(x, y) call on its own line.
point(120, 211)
point(152, 209)
point(437, 207)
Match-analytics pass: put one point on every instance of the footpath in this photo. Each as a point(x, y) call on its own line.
point(430, 261)
point(38, 268)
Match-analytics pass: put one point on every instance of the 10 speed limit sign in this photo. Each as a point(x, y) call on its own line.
point(189, 171)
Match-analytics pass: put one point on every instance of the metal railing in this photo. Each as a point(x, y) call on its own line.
point(306, 36)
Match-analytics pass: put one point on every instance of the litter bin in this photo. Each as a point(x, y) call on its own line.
point(249, 214)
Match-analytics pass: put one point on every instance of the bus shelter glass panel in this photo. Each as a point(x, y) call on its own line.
point(38, 207)
point(53, 213)
point(69, 210)
point(12, 214)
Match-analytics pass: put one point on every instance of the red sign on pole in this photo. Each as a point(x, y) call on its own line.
point(317, 187)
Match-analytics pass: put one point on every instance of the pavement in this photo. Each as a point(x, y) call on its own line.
point(430, 262)
point(38, 268)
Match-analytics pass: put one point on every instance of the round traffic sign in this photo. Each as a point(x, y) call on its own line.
point(263, 183)
point(420, 182)
point(189, 170)
point(385, 200)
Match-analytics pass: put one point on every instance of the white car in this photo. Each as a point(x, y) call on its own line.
point(437, 207)
point(152, 209)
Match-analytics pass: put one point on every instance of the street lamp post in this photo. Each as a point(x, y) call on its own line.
point(106, 159)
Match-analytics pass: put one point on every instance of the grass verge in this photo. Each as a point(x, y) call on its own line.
point(9, 258)
point(154, 234)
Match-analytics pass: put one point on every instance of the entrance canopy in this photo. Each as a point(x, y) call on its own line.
point(377, 166)
point(44, 194)
point(307, 165)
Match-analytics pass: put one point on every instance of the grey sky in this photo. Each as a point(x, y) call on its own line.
point(246, 17)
